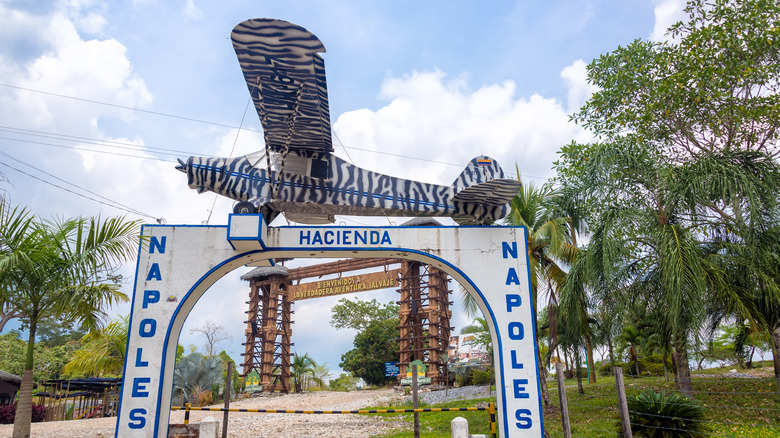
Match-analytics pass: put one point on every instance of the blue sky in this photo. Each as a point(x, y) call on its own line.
point(100, 98)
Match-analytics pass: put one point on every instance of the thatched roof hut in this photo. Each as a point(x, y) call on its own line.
point(9, 386)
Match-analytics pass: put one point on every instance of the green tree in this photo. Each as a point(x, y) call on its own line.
point(321, 374)
point(102, 351)
point(373, 347)
point(53, 332)
point(357, 315)
point(344, 382)
point(302, 366)
point(666, 115)
point(49, 361)
point(631, 339)
point(56, 269)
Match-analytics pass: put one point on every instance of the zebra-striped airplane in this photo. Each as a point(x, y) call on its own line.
point(298, 174)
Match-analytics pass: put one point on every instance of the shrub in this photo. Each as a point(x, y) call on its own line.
point(605, 369)
point(8, 413)
point(482, 376)
point(658, 415)
point(203, 397)
point(38, 413)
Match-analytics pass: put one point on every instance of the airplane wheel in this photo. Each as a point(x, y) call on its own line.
point(244, 207)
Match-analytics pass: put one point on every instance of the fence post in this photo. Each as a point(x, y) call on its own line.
point(414, 402)
point(622, 403)
point(228, 384)
point(562, 398)
point(493, 425)
point(187, 413)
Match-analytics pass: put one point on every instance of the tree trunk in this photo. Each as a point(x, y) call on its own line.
point(683, 367)
point(776, 355)
point(543, 381)
point(24, 405)
point(591, 364)
point(580, 389)
point(674, 370)
point(666, 371)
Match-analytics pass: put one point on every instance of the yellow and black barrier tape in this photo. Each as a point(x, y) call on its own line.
point(359, 411)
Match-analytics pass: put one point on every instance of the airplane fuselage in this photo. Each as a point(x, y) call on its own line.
point(327, 185)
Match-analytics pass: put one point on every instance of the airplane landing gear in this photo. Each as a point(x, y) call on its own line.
point(244, 207)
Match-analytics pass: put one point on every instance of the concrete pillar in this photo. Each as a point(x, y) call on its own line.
point(209, 427)
point(459, 427)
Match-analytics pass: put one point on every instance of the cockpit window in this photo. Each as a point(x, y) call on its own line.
point(294, 164)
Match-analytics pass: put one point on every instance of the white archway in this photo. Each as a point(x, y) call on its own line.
point(178, 263)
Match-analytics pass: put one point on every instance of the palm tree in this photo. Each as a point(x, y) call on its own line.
point(631, 338)
point(320, 374)
point(102, 352)
point(301, 367)
point(56, 269)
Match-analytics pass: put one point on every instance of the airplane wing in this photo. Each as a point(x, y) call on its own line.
point(286, 79)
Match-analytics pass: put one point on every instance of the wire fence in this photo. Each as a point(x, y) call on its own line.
point(742, 406)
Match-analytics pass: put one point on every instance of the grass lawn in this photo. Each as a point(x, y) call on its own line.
point(735, 407)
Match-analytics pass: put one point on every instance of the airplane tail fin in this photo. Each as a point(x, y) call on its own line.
point(484, 182)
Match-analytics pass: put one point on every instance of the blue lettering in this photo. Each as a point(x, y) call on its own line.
point(345, 240)
point(317, 238)
point(138, 361)
point(149, 327)
point(515, 364)
point(386, 238)
point(516, 331)
point(150, 297)
point(374, 237)
point(512, 278)
point(154, 273)
point(362, 237)
point(512, 300)
point(524, 422)
point(306, 237)
point(519, 389)
point(139, 387)
point(159, 244)
point(329, 241)
point(137, 415)
point(509, 250)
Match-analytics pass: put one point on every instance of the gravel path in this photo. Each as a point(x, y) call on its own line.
point(464, 393)
point(251, 425)
point(258, 425)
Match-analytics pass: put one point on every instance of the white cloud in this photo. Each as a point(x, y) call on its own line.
point(192, 12)
point(576, 77)
point(64, 63)
point(443, 121)
point(667, 12)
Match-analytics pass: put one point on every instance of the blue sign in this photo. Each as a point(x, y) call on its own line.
point(392, 369)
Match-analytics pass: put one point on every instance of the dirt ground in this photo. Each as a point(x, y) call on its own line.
point(258, 425)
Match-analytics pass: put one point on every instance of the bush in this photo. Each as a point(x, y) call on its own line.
point(8, 413)
point(654, 365)
point(482, 376)
point(658, 415)
point(203, 397)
